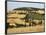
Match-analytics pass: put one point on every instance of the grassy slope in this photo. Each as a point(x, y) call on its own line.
point(38, 28)
point(36, 16)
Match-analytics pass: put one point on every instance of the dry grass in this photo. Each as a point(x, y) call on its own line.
point(38, 28)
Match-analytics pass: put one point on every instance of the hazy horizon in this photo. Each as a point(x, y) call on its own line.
point(13, 5)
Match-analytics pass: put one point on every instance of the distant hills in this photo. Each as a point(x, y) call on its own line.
point(28, 8)
point(32, 9)
point(33, 15)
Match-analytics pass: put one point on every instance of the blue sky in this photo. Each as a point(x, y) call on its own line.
point(13, 5)
point(26, 0)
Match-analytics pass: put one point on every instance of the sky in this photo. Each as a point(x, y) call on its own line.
point(13, 5)
point(26, 0)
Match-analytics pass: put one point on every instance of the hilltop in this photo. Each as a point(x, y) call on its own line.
point(34, 13)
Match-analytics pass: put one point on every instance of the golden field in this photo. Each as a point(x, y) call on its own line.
point(21, 17)
point(38, 28)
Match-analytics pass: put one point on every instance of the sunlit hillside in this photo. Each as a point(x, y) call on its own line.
point(26, 20)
